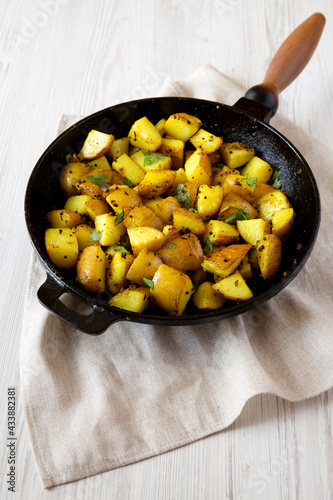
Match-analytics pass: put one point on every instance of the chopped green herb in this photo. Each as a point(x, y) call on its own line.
point(151, 158)
point(196, 284)
point(193, 210)
point(275, 180)
point(95, 235)
point(120, 217)
point(239, 215)
point(182, 194)
point(127, 182)
point(99, 180)
point(121, 249)
point(148, 282)
point(251, 181)
point(170, 245)
point(219, 165)
point(208, 245)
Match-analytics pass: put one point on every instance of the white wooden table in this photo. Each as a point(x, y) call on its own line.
point(78, 56)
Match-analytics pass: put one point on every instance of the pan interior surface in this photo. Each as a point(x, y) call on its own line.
point(44, 194)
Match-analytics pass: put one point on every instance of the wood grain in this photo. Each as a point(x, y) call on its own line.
point(81, 57)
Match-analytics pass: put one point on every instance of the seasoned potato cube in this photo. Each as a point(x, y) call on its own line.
point(253, 230)
point(184, 219)
point(70, 174)
point(91, 269)
point(144, 135)
point(175, 149)
point(232, 203)
point(62, 246)
point(261, 189)
point(151, 161)
point(270, 203)
point(214, 158)
point(77, 204)
point(209, 200)
point(117, 271)
point(95, 182)
point(220, 233)
point(182, 252)
point(165, 208)
point(206, 298)
point(155, 183)
point(160, 125)
point(99, 163)
point(152, 202)
point(240, 186)
point(122, 198)
point(219, 174)
point(283, 223)
point(111, 231)
point(207, 142)
point(245, 268)
point(253, 259)
point(258, 168)
point(233, 287)
point(172, 290)
point(144, 266)
point(225, 261)
point(64, 218)
point(235, 154)
point(182, 126)
point(269, 255)
point(198, 168)
point(84, 236)
point(96, 207)
point(132, 299)
point(145, 237)
point(143, 216)
point(96, 145)
point(127, 168)
point(180, 177)
point(118, 148)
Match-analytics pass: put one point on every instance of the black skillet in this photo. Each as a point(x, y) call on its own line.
point(246, 122)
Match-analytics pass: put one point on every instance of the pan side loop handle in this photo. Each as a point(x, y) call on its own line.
point(288, 62)
point(94, 323)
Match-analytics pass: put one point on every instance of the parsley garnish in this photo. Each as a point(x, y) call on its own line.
point(148, 282)
point(239, 215)
point(127, 182)
point(120, 217)
point(121, 249)
point(208, 245)
point(95, 235)
point(193, 210)
point(181, 194)
point(251, 181)
point(99, 180)
point(151, 158)
point(170, 245)
point(275, 180)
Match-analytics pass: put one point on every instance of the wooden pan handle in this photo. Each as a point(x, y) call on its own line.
point(288, 62)
point(295, 53)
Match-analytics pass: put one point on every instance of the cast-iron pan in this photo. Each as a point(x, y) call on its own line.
point(246, 122)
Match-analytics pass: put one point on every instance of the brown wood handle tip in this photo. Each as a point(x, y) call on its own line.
point(294, 54)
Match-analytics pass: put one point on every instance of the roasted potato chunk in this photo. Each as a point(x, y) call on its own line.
point(233, 287)
point(172, 290)
point(144, 135)
point(91, 269)
point(144, 266)
point(269, 255)
point(155, 183)
point(182, 252)
point(62, 246)
point(207, 142)
point(206, 298)
point(132, 299)
point(182, 126)
point(225, 261)
point(235, 154)
point(96, 145)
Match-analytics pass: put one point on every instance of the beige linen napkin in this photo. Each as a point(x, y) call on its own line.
point(96, 403)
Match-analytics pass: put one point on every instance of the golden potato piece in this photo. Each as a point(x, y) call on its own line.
point(207, 142)
point(206, 298)
point(175, 149)
point(118, 148)
point(233, 287)
point(220, 233)
point(96, 207)
point(144, 266)
point(261, 189)
point(172, 290)
point(258, 168)
point(184, 219)
point(269, 255)
point(182, 126)
point(209, 200)
point(270, 203)
point(62, 246)
point(147, 161)
point(155, 183)
point(182, 252)
point(122, 198)
point(132, 299)
point(96, 145)
point(225, 261)
point(111, 230)
point(117, 270)
point(84, 236)
point(240, 186)
point(144, 135)
point(253, 230)
point(91, 269)
point(70, 174)
point(198, 168)
point(127, 168)
point(165, 208)
point(232, 203)
point(95, 182)
point(143, 216)
point(145, 237)
point(64, 218)
point(235, 154)
point(283, 223)
point(100, 163)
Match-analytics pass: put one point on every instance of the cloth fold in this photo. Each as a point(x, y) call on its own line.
point(93, 404)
